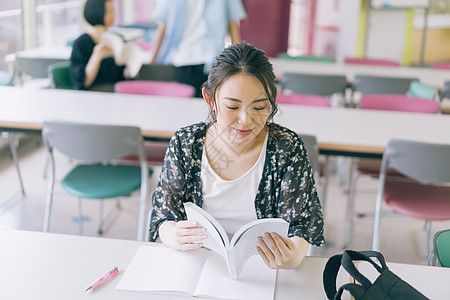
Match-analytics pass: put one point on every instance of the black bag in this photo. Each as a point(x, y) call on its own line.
point(386, 286)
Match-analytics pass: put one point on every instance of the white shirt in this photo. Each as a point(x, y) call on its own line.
point(232, 202)
point(193, 48)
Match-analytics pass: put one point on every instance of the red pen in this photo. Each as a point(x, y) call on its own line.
point(103, 279)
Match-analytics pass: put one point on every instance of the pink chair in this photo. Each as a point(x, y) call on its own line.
point(398, 103)
point(441, 65)
point(371, 167)
point(308, 100)
point(154, 88)
point(146, 46)
point(155, 150)
point(371, 61)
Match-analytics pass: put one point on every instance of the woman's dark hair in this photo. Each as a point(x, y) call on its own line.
point(242, 58)
point(94, 12)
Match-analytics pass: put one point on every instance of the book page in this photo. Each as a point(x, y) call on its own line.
point(217, 237)
point(134, 57)
point(244, 241)
point(163, 270)
point(116, 43)
point(257, 281)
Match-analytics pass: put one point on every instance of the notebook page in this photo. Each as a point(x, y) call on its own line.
point(161, 270)
point(256, 281)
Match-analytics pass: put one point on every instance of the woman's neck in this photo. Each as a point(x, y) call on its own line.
point(96, 32)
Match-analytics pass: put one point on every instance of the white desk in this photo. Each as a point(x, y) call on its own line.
point(428, 76)
point(36, 265)
point(338, 130)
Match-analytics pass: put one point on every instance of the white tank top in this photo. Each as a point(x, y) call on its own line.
point(232, 202)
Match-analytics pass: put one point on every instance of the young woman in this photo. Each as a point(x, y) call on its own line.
point(240, 166)
point(92, 63)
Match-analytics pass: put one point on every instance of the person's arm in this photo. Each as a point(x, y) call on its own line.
point(157, 40)
point(298, 204)
point(233, 30)
point(168, 220)
point(100, 52)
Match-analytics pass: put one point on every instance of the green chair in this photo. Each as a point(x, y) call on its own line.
point(441, 249)
point(421, 90)
point(311, 58)
point(59, 74)
point(5, 78)
point(95, 175)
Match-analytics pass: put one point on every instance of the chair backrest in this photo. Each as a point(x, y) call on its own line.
point(310, 143)
point(424, 162)
point(157, 72)
point(367, 84)
point(155, 88)
point(421, 90)
point(398, 103)
point(445, 91)
point(308, 84)
point(92, 142)
point(59, 74)
point(311, 58)
point(308, 100)
point(441, 65)
point(371, 61)
point(34, 67)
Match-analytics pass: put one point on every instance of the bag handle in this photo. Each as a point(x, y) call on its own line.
point(355, 290)
point(330, 274)
point(346, 259)
point(347, 262)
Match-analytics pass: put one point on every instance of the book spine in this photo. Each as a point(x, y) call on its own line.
point(231, 264)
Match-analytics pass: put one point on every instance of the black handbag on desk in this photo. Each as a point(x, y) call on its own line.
point(387, 286)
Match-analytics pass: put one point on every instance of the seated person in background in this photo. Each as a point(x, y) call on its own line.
point(92, 63)
point(240, 166)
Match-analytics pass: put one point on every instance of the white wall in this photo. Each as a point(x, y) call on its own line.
point(348, 29)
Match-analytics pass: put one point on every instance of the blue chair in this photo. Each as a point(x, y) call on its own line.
point(96, 176)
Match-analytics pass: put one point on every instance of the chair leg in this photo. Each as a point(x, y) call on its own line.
point(80, 217)
point(350, 210)
point(428, 232)
point(325, 182)
point(13, 144)
point(102, 220)
point(49, 200)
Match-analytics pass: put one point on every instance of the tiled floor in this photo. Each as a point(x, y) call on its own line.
point(403, 239)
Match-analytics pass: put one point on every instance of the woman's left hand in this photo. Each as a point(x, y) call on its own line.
point(278, 254)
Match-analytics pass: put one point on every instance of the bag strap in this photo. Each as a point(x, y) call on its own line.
point(330, 274)
point(347, 262)
point(356, 290)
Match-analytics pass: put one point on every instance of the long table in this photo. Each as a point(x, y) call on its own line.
point(339, 131)
point(428, 76)
point(36, 265)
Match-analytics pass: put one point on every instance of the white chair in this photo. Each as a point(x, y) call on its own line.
point(94, 176)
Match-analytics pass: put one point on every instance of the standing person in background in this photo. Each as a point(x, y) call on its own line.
point(92, 63)
point(192, 32)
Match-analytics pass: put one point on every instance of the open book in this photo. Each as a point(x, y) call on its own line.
point(244, 241)
point(199, 273)
point(128, 54)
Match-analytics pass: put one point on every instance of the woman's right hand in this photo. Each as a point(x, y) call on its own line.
point(182, 235)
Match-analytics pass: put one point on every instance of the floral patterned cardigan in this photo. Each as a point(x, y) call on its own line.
point(287, 189)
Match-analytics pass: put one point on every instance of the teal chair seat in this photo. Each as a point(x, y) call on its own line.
point(5, 78)
point(310, 58)
point(102, 181)
point(59, 74)
point(440, 256)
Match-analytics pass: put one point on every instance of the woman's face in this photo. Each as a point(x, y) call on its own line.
point(242, 108)
point(109, 14)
